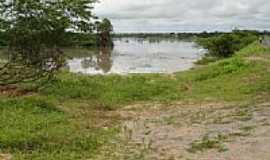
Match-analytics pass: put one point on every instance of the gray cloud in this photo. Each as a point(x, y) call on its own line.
point(185, 15)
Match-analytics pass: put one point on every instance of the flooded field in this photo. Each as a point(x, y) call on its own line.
point(133, 55)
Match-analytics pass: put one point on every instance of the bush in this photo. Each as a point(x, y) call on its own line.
point(225, 45)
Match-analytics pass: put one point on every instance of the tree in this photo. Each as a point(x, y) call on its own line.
point(226, 44)
point(36, 29)
point(104, 29)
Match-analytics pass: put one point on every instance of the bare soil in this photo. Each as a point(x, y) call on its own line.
point(5, 157)
point(14, 91)
point(213, 131)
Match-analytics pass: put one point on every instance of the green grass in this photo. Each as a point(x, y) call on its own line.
point(66, 118)
point(114, 90)
point(33, 128)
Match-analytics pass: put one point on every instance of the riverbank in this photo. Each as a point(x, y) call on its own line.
point(83, 117)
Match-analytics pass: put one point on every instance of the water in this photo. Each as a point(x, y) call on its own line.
point(131, 55)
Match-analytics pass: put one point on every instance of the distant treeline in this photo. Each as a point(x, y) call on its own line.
point(218, 44)
point(90, 40)
point(185, 35)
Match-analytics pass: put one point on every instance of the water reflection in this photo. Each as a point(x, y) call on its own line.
point(137, 55)
point(94, 62)
point(100, 61)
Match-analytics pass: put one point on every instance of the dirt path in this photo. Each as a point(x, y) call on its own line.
point(5, 157)
point(194, 132)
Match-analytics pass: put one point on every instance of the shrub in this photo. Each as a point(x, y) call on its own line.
point(225, 45)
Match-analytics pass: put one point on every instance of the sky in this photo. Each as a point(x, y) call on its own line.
point(185, 15)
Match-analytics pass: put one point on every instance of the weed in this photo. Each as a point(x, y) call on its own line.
point(208, 143)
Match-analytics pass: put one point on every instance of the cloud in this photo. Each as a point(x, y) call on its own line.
point(185, 15)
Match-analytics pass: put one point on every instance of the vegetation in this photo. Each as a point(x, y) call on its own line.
point(66, 119)
point(226, 44)
point(186, 36)
point(79, 40)
point(73, 117)
point(104, 29)
point(35, 30)
point(34, 128)
point(218, 81)
point(70, 117)
point(208, 143)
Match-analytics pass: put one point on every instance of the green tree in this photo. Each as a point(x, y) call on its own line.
point(36, 29)
point(226, 44)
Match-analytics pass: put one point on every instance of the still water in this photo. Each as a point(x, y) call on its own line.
point(133, 55)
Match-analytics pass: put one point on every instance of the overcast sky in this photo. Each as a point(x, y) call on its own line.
point(185, 15)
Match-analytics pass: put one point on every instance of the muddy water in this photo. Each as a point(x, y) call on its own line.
point(131, 55)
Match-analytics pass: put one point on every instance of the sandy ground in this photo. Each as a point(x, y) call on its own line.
point(192, 132)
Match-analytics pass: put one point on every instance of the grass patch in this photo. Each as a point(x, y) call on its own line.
point(113, 91)
point(207, 143)
point(243, 115)
point(216, 142)
point(254, 49)
point(247, 128)
point(33, 128)
point(244, 131)
point(171, 120)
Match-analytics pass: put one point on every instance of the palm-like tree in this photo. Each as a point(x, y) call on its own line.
point(104, 29)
